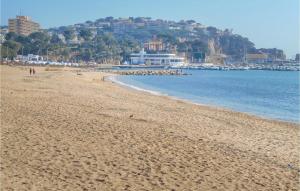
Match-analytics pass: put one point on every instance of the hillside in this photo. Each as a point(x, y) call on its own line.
point(110, 39)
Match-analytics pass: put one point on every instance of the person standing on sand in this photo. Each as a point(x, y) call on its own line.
point(30, 71)
point(33, 71)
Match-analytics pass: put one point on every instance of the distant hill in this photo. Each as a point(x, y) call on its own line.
point(111, 38)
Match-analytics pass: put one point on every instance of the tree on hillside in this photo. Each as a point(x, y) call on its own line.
point(26, 44)
point(22, 39)
point(69, 33)
point(86, 54)
point(9, 49)
point(11, 36)
point(39, 42)
point(199, 46)
point(86, 34)
point(128, 46)
point(89, 22)
point(213, 31)
point(109, 39)
point(109, 19)
point(167, 37)
point(39, 36)
point(55, 39)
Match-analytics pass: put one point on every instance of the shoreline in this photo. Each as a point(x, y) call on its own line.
point(65, 130)
point(112, 77)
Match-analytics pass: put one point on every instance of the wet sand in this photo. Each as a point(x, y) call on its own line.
point(64, 131)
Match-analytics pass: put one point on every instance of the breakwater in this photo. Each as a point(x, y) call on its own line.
point(147, 72)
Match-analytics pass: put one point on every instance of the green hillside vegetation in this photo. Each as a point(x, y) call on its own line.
point(115, 39)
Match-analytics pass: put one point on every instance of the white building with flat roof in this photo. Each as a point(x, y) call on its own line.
point(29, 57)
point(156, 59)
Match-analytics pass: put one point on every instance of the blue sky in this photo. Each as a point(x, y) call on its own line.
point(267, 23)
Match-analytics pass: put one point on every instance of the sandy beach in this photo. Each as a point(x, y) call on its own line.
point(64, 131)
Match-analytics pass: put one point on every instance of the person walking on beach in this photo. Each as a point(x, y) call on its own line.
point(30, 71)
point(33, 71)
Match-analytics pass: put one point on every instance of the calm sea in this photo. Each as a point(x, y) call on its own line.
point(270, 94)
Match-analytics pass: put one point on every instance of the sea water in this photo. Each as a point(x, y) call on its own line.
point(269, 94)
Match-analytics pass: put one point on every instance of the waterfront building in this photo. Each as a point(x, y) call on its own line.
point(29, 57)
point(257, 58)
point(297, 58)
point(215, 58)
point(23, 25)
point(156, 59)
point(32, 57)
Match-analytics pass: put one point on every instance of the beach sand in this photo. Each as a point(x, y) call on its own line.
point(64, 131)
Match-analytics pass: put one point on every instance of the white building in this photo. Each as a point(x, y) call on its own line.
point(29, 57)
point(155, 59)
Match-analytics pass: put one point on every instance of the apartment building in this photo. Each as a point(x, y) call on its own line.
point(22, 25)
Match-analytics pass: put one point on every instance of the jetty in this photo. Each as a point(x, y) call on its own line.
point(148, 72)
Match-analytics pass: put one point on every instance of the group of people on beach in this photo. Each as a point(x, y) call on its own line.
point(32, 71)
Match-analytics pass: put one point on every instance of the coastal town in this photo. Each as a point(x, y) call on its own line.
point(134, 95)
point(132, 42)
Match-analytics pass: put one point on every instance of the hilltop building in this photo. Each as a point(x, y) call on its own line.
point(22, 25)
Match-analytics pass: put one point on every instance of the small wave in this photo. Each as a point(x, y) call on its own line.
point(115, 80)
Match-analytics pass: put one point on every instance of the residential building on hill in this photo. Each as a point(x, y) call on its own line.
point(23, 25)
point(154, 45)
